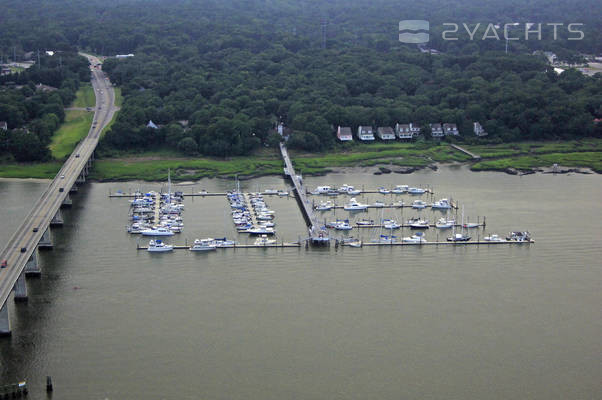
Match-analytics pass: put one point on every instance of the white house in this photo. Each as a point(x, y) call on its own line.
point(365, 133)
point(344, 133)
point(3, 125)
point(385, 133)
point(436, 130)
point(450, 129)
point(152, 125)
point(479, 130)
point(403, 131)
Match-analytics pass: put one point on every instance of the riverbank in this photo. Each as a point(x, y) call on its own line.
point(513, 158)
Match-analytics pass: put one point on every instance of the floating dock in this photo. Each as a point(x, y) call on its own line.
point(425, 243)
point(236, 246)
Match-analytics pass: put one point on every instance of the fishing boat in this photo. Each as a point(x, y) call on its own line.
point(157, 246)
point(519, 236)
point(444, 223)
point(353, 205)
point(418, 204)
point(418, 223)
point(390, 224)
point(418, 237)
point(203, 245)
point(493, 238)
point(157, 231)
point(400, 189)
point(383, 190)
point(443, 204)
point(415, 190)
point(263, 240)
point(325, 206)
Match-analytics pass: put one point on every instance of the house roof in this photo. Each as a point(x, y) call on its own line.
point(365, 129)
point(450, 126)
point(399, 126)
point(345, 130)
point(385, 130)
point(435, 126)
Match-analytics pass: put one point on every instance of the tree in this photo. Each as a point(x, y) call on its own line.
point(188, 146)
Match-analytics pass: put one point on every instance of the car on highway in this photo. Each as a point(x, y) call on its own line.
point(23, 249)
point(62, 176)
point(77, 155)
point(4, 264)
point(35, 229)
point(61, 189)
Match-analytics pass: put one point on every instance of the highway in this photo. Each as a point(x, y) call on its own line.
point(25, 240)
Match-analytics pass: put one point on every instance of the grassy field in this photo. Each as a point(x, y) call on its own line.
point(76, 126)
point(118, 97)
point(39, 170)
point(85, 97)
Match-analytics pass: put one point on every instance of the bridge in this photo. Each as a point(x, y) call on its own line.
point(317, 235)
point(20, 253)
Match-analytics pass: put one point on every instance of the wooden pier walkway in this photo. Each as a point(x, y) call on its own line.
point(463, 150)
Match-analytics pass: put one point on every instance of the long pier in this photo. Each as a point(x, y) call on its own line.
point(19, 257)
point(316, 235)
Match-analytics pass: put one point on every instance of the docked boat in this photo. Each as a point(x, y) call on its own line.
point(383, 190)
point(390, 224)
point(282, 193)
point(378, 204)
point(493, 238)
point(157, 231)
point(265, 217)
point(345, 188)
point(263, 240)
point(459, 237)
point(353, 205)
point(343, 226)
point(415, 190)
point(259, 230)
point(443, 204)
point(223, 242)
point(157, 246)
point(354, 192)
point(419, 204)
point(387, 239)
point(471, 225)
point(418, 223)
point(203, 245)
point(416, 238)
point(136, 228)
point(325, 206)
point(400, 189)
point(519, 236)
point(322, 190)
point(365, 222)
point(270, 191)
point(444, 223)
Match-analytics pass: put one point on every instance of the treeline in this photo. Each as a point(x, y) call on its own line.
point(32, 104)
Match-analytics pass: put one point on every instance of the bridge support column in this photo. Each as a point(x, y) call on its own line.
point(20, 289)
point(67, 202)
point(4, 321)
point(32, 268)
point(57, 219)
point(73, 189)
point(45, 241)
point(81, 178)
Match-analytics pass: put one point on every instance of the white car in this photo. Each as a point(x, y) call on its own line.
point(62, 176)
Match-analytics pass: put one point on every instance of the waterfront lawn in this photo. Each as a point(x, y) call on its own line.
point(592, 160)
point(75, 128)
point(38, 170)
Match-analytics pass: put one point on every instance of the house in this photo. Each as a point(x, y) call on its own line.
point(385, 133)
point(344, 133)
point(479, 130)
point(436, 130)
point(403, 131)
point(415, 129)
point(124, 55)
point(3, 125)
point(450, 129)
point(151, 125)
point(365, 133)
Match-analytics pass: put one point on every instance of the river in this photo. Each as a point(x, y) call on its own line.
point(437, 322)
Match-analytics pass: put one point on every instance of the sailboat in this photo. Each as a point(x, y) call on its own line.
point(459, 237)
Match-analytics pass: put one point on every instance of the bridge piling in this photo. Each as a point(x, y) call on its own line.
point(57, 219)
point(4, 321)
point(20, 289)
point(73, 189)
point(45, 241)
point(67, 202)
point(32, 268)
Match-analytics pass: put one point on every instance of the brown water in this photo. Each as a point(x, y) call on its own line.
point(474, 322)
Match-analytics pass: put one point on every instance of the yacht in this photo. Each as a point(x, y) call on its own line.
point(419, 204)
point(383, 190)
point(343, 226)
point(442, 204)
point(519, 236)
point(267, 224)
point(444, 223)
point(259, 230)
point(399, 189)
point(353, 205)
point(203, 245)
point(416, 238)
point(493, 238)
point(325, 206)
point(459, 237)
point(157, 231)
point(136, 228)
point(322, 190)
point(390, 224)
point(263, 240)
point(157, 246)
point(414, 190)
point(418, 223)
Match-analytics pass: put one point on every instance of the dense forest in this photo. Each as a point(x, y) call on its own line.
point(32, 103)
point(216, 76)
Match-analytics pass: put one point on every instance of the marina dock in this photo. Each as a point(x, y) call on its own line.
point(425, 243)
point(235, 246)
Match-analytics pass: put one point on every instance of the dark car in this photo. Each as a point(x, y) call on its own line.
point(23, 249)
point(35, 229)
point(77, 155)
point(4, 264)
point(61, 190)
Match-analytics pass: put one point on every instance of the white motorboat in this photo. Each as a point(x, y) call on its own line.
point(390, 224)
point(353, 205)
point(343, 226)
point(136, 228)
point(157, 231)
point(267, 224)
point(400, 189)
point(387, 239)
point(322, 190)
point(459, 237)
point(378, 204)
point(282, 193)
point(345, 188)
point(157, 246)
point(270, 191)
point(493, 238)
point(419, 204)
point(263, 240)
point(203, 245)
point(259, 230)
point(443, 204)
point(383, 190)
point(414, 190)
point(351, 241)
point(223, 242)
point(265, 217)
point(354, 192)
point(416, 238)
point(471, 225)
point(325, 206)
point(443, 223)
point(418, 223)
point(519, 236)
